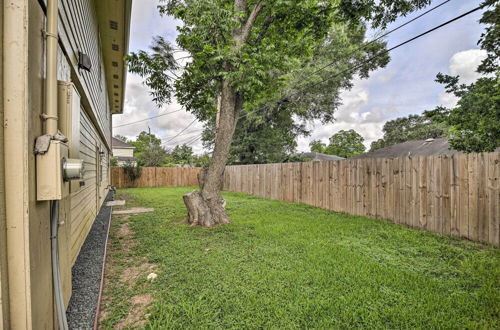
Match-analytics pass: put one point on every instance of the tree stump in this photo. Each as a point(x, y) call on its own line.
point(205, 212)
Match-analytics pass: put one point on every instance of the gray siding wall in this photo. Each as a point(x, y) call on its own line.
point(86, 202)
point(80, 33)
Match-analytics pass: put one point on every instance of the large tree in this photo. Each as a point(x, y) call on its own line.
point(247, 53)
point(474, 122)
point(411, 128)
point(270, 136)
point(148, 150)
point(343, 144)
point(183, 154)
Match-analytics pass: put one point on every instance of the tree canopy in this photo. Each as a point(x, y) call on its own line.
point(474, 122)
point(411, 128)
point(343, 144)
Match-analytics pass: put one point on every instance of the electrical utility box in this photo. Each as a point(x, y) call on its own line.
point(68, 106)
point(59, 170)
point(49, 173)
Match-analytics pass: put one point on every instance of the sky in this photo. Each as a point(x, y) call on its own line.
point(405, 86)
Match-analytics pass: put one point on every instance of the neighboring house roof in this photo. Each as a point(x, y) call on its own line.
point(319, 156)
point(118, 144)
point(427, 147)
point(125, 159)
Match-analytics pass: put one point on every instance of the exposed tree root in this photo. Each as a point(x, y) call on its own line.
point(205, 212)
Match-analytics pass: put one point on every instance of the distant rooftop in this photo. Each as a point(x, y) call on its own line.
point(319, 156)
point(120, 144)
point(125, 159)
point(427, 147)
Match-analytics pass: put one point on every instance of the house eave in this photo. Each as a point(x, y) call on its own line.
point(114, 28)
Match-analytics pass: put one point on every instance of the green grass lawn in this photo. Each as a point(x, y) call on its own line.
point(282, 265)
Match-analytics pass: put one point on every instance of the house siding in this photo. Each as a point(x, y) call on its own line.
point(86, 202)
point(4, 320)
point(117, 152)
point(31, 305)
point(79, 32)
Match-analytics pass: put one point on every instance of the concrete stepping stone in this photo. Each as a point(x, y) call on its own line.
point(116, 203)
point(134, 210)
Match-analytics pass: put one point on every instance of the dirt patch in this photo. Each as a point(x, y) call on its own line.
point(137, 316)
point(124, 270)
point(124, 196)
point(133, 273)
point(125, 231)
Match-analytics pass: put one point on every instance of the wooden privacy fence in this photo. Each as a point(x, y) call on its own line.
point(156, 177)
point(456, 195)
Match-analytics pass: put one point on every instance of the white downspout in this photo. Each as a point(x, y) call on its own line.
point(51, 69)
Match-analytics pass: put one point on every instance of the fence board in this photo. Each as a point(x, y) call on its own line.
point(445, 195)
point(454, 197)
point(473, 196)
point(482, 177)
point(463, 181)
point(493, 183)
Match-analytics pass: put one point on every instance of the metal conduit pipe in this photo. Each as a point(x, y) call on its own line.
point(56, 274)
point(51, 127)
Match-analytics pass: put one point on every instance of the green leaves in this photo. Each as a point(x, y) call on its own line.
point(474, 121)
point(411, 128)
point(279, 64)
point(343, 144)
point(158, 69)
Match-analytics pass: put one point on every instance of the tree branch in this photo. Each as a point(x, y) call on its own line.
point(242, 33)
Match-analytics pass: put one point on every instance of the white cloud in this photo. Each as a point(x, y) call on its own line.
point(139, 106)
point(147, 23)
point(464, 65)
point(351, 115)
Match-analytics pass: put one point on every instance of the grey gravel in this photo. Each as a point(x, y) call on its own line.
point(87, 272)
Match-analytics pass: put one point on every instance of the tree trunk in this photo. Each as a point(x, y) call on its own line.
point(207, 207)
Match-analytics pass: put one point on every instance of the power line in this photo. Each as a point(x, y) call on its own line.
point(301, 90)
point(355, 67)
point(185, 128)
point(184, 140)
point(400, 44)
point(171, 136)
point(146, 119)
point(380, 37)
point(193, 140)
point(330, 64)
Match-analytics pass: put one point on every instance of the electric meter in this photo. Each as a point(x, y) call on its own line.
point(72, 169)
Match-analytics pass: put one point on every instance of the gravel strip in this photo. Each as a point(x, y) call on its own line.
point(87, 272)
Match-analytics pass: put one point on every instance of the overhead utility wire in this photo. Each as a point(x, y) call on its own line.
point(301, 90)
point(185, 139)
point(330, 64)
point(185, 128)
point(400, 45)
point(371, 58)
point(382, 53)
point(189, 132)
point(380, 37)
point(146, 119)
